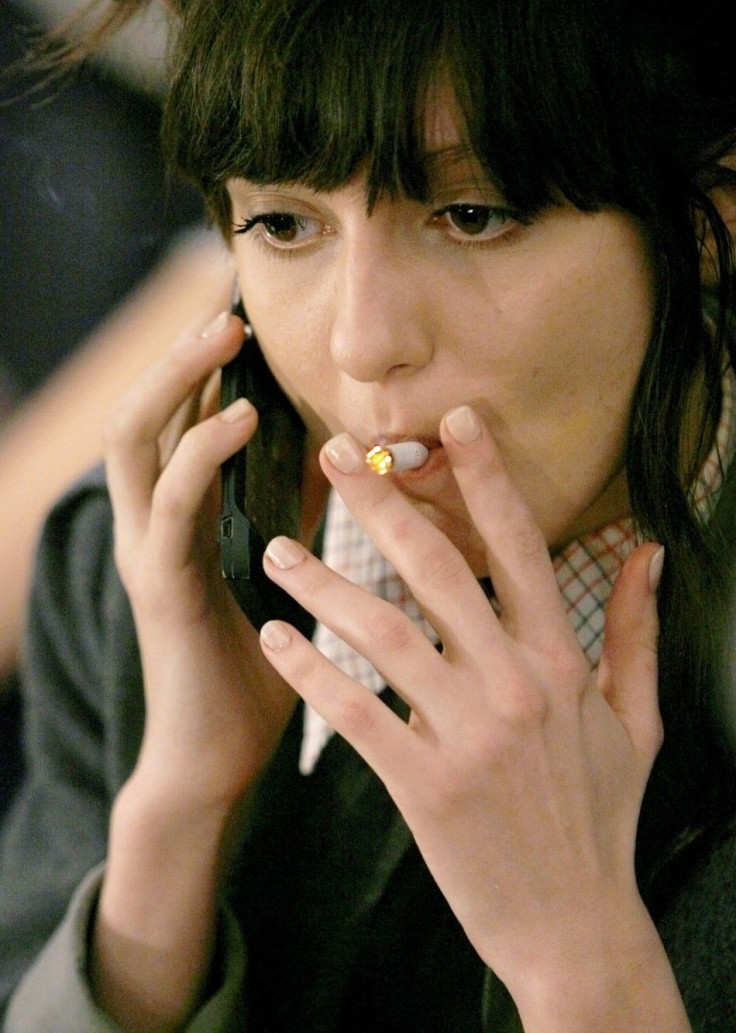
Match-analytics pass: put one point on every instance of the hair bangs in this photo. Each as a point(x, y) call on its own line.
point(314, 91)
point(318, 91)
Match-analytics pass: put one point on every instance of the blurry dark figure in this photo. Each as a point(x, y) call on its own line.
point(86, 212)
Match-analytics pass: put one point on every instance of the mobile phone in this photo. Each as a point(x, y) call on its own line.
point(261, 488)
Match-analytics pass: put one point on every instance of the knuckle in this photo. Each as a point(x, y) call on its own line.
point(169, 500)
point(356, 715)
point(442, 565)
point(527, 542)
point(389, 629)
point(567, 668)
point(522, 709)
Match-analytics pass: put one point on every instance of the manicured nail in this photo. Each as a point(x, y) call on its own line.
point(463, 424)
point(344, 454)
point(237, 410)
point(217, 325)
point(655, 568)
point(285, 552)
point(276, 635)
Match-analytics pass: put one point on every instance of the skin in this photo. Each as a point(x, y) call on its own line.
point(520, 772)
point(377, 326)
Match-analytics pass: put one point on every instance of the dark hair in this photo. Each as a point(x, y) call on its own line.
point(627, 104)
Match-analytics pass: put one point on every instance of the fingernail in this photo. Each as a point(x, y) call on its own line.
point(345, 454)
point(237, 410)
point(276, 635)
point(284, 552)
point(655, 569)
point(463, 424)
point(217, 325)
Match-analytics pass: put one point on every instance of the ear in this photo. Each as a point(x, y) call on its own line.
point(724, 199)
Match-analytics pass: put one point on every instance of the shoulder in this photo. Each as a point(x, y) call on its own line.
point(80, 523)
point(75, 569)
point(79, 615)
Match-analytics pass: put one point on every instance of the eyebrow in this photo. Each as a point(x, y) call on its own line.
point(439, 165)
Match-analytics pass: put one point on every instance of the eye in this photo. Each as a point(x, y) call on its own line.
point(475, 221)
point(282, 229)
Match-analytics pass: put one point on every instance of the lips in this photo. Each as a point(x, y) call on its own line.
point(430, 441)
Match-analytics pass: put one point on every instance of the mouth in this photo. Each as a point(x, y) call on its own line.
point(386, 438)
point(436, 460)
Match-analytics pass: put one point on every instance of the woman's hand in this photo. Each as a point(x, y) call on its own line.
point(215, 709)
point(520, 772)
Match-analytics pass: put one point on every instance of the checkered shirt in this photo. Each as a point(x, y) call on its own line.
point(586, 570)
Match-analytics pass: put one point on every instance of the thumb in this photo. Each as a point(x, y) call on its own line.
point(627, 674)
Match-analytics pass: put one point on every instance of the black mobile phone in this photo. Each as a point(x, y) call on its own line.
point(261, 488)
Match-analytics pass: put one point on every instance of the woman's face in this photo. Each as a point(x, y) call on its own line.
point(379, 323)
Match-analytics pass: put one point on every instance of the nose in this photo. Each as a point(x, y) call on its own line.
point(380, 325)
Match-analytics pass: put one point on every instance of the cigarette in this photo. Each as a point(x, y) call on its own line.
point(405, 455)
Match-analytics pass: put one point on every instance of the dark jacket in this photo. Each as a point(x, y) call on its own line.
point(343, 926)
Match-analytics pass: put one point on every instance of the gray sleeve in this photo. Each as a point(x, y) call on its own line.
point(54, 996)
point(56, 830)
point(83, 717)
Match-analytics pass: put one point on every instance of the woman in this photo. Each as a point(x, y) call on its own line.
point(487, 228)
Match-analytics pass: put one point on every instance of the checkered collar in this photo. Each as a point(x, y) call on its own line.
point(585, 571)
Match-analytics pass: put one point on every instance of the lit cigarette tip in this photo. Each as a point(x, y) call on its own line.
point(405, 455)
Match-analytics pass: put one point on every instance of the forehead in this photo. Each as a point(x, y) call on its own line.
point(443, 125)
point(448, 153)
point(445, 152)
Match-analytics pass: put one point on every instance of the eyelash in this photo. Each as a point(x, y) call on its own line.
point(504, 215)
point(249, 224)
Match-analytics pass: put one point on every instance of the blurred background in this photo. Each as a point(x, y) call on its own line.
point(102, 261)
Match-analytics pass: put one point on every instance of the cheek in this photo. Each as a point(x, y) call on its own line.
point(573, 332)
point(576, 331)
point(289, 330)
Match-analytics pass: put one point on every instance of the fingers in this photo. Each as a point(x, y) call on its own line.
point(377, 629)
point(519, 562)
point(435, 570)
point(134, 427)
point(627, 675)
point(517, 555)
point(378, 734)
point(180, 491)
point(151, 410)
